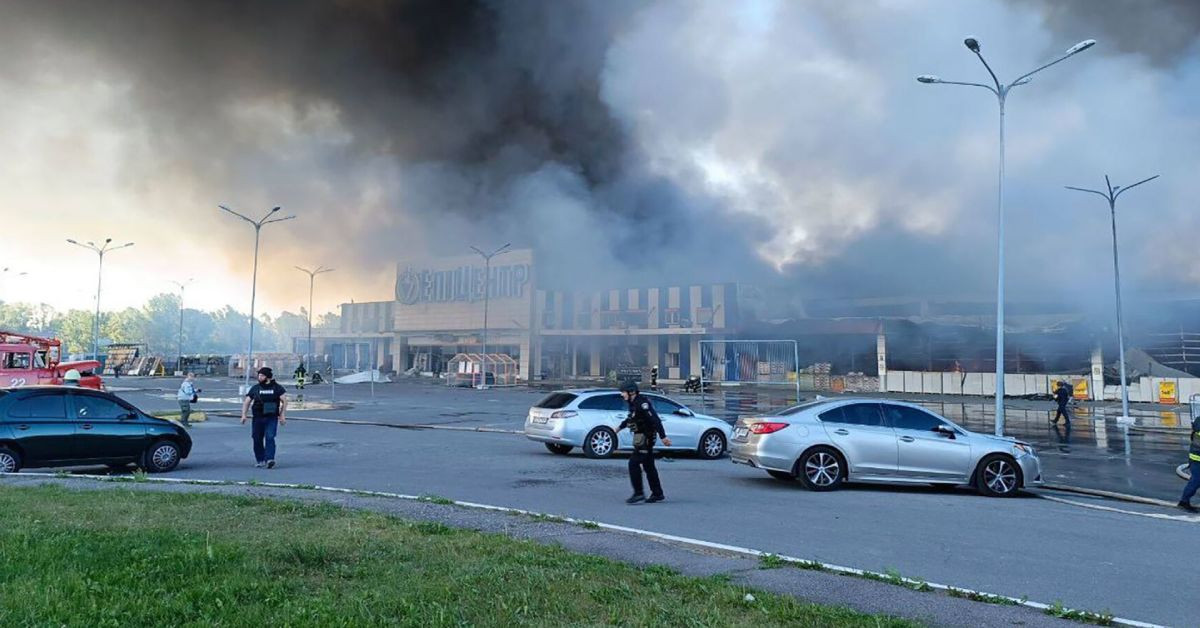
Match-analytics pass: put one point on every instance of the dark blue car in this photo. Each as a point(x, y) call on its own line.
point(58, 426)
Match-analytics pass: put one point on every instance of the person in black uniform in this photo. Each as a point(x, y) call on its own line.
point(1062, 396)
point(645, 425)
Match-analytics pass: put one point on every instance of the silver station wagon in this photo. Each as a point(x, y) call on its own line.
point(827, 442)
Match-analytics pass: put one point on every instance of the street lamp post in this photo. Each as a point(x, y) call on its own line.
point(99, 250)
point(312, 276)
point(1000, 91)
point(487, 292)
point(1111, 196)
point(182, 286)
point(258, 225)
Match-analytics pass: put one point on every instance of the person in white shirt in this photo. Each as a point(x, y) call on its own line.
point(188, 394)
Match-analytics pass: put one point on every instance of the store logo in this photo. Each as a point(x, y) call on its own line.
point(465, 284)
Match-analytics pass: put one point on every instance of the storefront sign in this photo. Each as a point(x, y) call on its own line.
point(465, 284)
point(1081, 389)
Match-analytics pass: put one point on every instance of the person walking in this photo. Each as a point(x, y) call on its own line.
point(187, 395)
point(299, 374)
point(1062, 396)
point(267, 401)
point(1193, 485)
point(645, 424)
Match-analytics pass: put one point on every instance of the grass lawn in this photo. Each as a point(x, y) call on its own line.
point(129, 558)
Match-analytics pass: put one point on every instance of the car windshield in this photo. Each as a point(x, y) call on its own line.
point(556, 401)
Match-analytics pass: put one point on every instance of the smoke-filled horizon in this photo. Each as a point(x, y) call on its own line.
point(626, 142)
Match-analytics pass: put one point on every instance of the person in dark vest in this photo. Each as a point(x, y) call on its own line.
point(268, 401)
point(1193, 484)
point(645, 424)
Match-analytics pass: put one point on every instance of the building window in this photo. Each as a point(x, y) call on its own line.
point(672, 360)
point(549, 319)
point(672, 317)
point(704, 316)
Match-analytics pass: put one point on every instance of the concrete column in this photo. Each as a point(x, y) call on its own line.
point(529, 363)
point(694, 343)
point(1097, 383)
point(881, 359)
point(594, 363)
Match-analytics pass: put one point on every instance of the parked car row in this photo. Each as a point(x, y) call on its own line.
point(56, 426)
point(823, 443)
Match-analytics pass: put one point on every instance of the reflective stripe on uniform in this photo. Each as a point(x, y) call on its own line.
point(1194, 457)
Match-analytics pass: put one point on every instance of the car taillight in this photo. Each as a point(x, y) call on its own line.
point(564, 414)
point(766, 427)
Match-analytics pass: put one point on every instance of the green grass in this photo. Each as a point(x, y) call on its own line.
point(122, 557)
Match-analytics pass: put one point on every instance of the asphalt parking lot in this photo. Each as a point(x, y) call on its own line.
point(1045, 550)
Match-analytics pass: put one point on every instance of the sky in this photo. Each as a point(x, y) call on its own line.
point(628, 143)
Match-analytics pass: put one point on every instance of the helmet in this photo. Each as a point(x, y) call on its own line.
point(71, 376)
point(629, 387)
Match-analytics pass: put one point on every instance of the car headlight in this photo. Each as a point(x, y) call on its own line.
point(1024, 448)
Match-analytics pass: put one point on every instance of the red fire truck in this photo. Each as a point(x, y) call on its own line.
point(32, 361)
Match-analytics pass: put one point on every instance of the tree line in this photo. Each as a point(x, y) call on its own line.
point(156, 325)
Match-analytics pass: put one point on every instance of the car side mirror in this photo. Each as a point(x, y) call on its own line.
point(944, 431)
point(684, 412)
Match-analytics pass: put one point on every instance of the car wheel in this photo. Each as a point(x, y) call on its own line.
point(10, 460)
point(821, 469)
point(712, 445)
point(782, 475)
point(998, 476)
point(561, 450)
point(161, 457)
point(600, 443)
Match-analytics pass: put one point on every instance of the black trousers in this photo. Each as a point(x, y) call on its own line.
point(1062, 412)
point(639, 460)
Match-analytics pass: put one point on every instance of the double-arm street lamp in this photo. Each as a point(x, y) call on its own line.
point(1111, 195)
point(487, 291)
point(99, 250)
point(312, 276)
point(1000, 91)
point(258, 225)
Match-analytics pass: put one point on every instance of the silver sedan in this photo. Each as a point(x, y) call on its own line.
point(827, 442)
point(588, 419)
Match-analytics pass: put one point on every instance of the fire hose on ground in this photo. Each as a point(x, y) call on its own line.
point(1182, 471)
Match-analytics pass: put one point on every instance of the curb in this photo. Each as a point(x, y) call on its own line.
point(1135, 499)
point(686, 541)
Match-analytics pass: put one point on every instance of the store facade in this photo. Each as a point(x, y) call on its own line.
point(437, 312)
